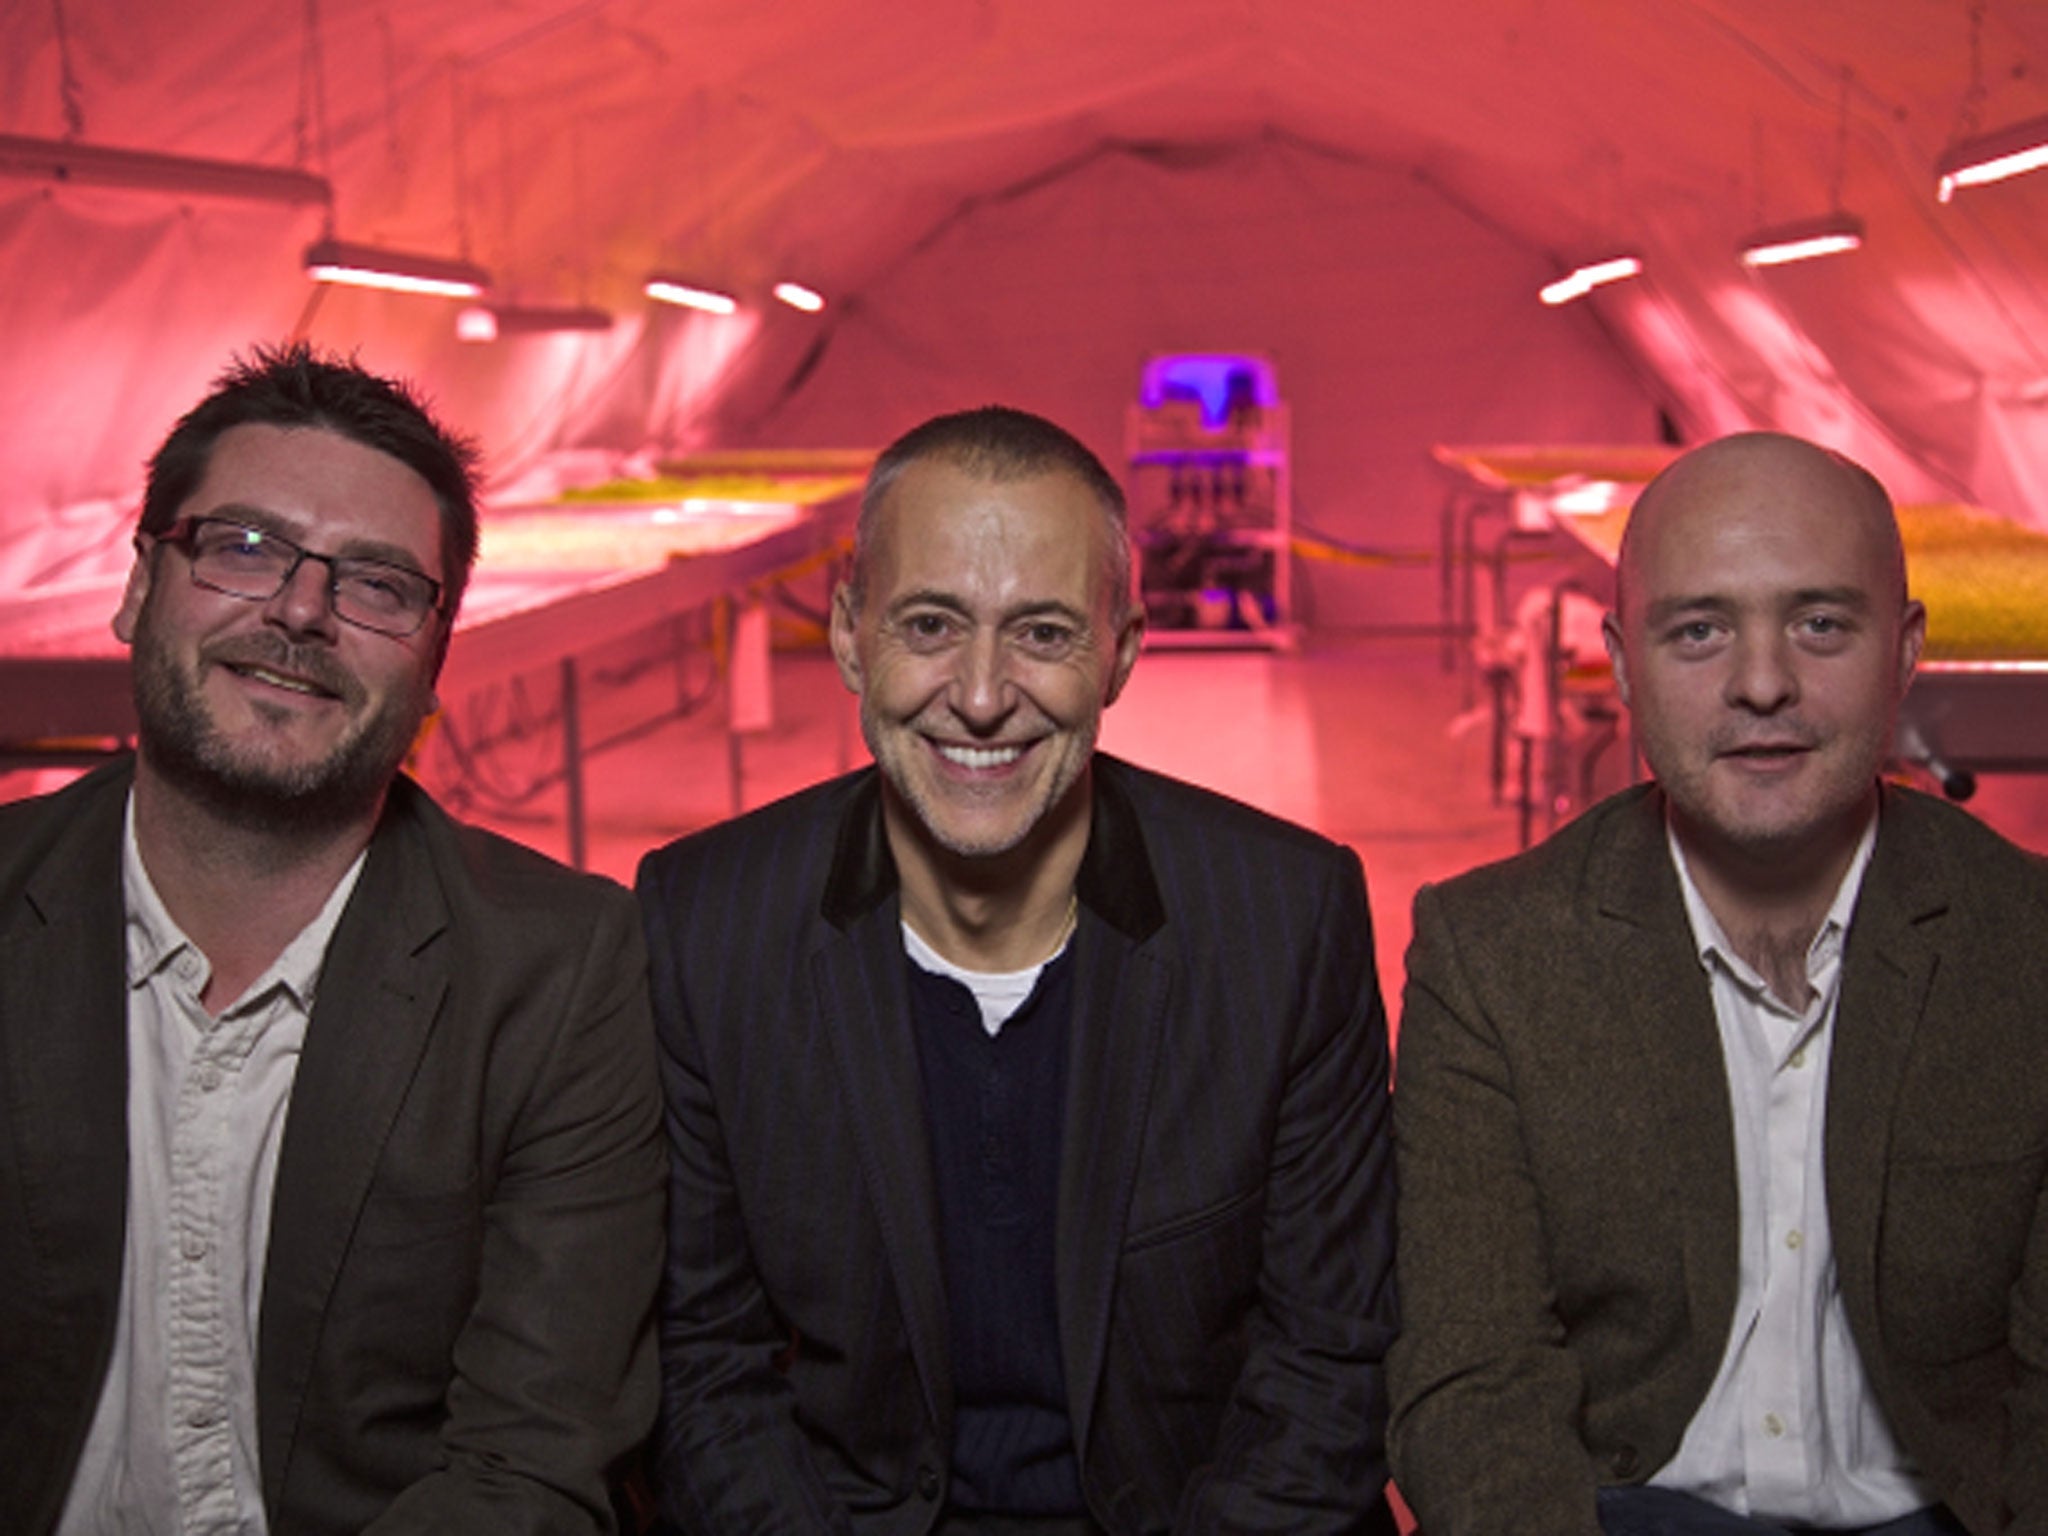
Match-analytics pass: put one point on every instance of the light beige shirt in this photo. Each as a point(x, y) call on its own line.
point(172, 1446)
point(1789, 1431)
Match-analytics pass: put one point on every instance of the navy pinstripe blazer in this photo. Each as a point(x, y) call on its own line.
point(1224, 1246)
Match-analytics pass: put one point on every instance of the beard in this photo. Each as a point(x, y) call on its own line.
point(184, 746)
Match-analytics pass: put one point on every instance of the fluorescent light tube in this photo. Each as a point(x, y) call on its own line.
point(139, 170)
point(1801, 242)
point(670, 291)
point(337, 261)
point(1993, 157)
point(1582, 281)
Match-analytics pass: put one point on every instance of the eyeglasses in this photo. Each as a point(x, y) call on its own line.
point(245, 562)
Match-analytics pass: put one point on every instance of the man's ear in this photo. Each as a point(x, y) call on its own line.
point(137, 590)
point(1617, 654)
point(1128, 641)
point(845, 636)
point(1912, 636)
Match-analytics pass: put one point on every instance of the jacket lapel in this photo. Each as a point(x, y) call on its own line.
point(1120, 995)
point(1122, 983)
point(863, 1002)
point(1887, 969)
point(862, 998)
point(1667, 1038)
point(380, 990)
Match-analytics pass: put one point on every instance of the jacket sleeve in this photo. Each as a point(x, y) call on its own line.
point(728, 1453)
point(554, 1375)
point(1302, 1442)
point(1486, 1397)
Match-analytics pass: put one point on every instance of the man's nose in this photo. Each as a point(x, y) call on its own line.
point(304, 604)
point(982, 691)
point(1764, 676)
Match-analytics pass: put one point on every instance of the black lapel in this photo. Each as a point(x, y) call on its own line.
point(862, 997)
point(380, 991)
point(1122, 987)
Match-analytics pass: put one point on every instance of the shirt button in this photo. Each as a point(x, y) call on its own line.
point(209, 1079)
point(200, 1417)
point(1773, 1425)
point(1798, 1058)
point(193, 1248)
point(1794, 1238)
point(927, 1483)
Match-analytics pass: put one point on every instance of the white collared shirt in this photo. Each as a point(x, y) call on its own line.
point(1789, 1431)
point(172, 1446)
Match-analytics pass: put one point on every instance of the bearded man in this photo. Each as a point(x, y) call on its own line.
point(330, 1178)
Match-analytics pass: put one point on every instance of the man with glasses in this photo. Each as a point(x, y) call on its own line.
point(330, 1186)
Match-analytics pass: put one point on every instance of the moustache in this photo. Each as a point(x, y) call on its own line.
point(313, 664)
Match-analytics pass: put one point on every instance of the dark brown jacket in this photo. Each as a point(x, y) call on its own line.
point(1568, 1191)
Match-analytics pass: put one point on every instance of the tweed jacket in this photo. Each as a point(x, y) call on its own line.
point(1569, 1204)
point(1223, 1254)
point(455, 1330)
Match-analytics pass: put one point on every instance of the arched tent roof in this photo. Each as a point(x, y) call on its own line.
point(1015, 200)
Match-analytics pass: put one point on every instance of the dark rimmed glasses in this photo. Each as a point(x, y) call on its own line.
point(251, 563)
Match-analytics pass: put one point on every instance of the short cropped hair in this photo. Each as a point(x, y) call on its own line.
point(294, 386)
point(998, 442)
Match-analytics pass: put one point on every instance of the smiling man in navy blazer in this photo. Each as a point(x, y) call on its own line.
point(1027, 1110)
point(330, 1170)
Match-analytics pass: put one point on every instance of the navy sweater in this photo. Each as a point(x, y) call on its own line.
point(994, 1108)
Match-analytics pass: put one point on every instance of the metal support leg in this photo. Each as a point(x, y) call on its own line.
point(727, 618)
point(572, 765)
point(1447, 579)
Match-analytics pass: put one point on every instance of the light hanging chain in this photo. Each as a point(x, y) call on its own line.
point(309, 127)
point(1969, 116)
point(1842, 141)
point(67, 78)
point(1756, 167)
point(460, 144)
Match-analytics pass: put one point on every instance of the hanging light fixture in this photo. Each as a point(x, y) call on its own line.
point(482, 322)
point(1990, 157)
point(797, 296)
point(1976, 159)
point(1782, 243)
point(329, 260)
point(1582, 280)
point(365, 266)
point(673, 290)
point(69, 163)
point(1827, 235)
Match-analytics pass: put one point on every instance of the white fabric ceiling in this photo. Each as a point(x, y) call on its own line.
point(1020, 200)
